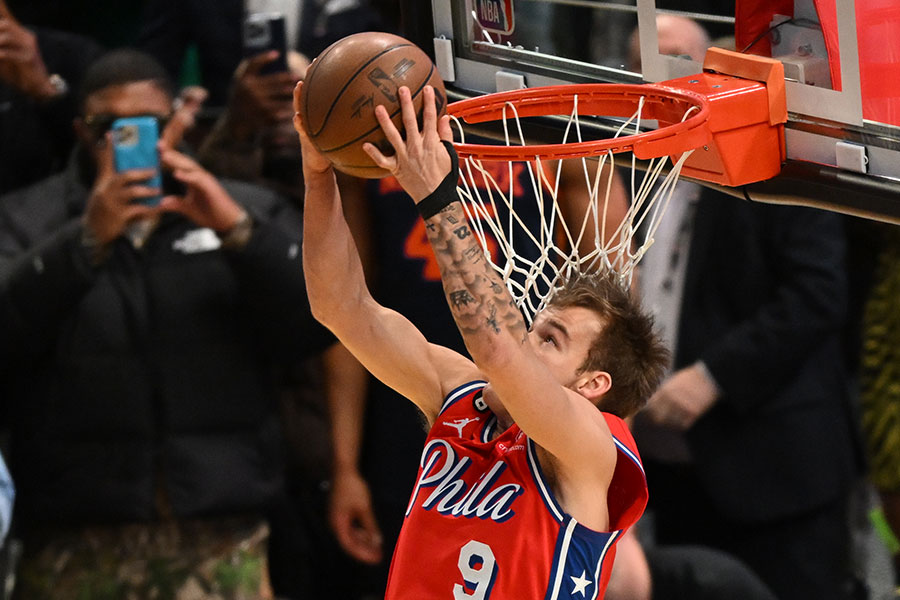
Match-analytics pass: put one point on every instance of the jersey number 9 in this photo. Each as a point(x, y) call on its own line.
point(478, 568)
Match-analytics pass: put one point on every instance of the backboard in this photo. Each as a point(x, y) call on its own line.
point(841, 63)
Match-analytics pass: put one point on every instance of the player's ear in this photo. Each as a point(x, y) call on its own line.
point(594, 384)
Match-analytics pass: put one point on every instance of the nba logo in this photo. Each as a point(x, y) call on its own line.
point(495, 15)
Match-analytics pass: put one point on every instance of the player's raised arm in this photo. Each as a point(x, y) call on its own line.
point(389, 346)
point(561, 421)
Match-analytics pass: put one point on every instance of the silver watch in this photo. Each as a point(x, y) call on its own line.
point(60, 86)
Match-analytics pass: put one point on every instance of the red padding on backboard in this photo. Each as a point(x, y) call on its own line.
point(878, 35)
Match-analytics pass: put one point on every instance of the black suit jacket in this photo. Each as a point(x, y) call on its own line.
point(764, 304)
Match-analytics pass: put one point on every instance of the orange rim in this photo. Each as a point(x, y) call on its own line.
point(668, 106)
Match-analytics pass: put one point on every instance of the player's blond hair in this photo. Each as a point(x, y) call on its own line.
point(627, 347)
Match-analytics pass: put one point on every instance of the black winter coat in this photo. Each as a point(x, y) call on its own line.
point(155, 366)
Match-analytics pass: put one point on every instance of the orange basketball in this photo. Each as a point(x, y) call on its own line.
point(348, 80)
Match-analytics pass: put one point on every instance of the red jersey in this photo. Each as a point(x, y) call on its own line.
point(482, 521)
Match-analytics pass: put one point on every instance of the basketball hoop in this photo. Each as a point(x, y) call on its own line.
point(720, 116)
point(601, 100)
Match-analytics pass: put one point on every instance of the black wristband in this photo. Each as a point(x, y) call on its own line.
point(445, 193)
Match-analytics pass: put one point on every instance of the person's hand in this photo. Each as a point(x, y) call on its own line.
point(206, 203)
point(259, 100)
point(114, 201)
point(683, 398)
point(189, 102)
point(21, 64)
point(420, 162)
point(313, 160)
point(352, 518)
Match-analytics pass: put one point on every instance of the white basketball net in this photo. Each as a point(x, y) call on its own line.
point(532, 273)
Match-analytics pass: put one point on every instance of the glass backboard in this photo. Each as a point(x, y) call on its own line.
point(842, 71)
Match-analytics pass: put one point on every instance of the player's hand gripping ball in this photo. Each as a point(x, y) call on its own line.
point(347, 81)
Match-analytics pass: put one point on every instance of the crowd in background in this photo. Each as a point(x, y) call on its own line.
point(178, 426)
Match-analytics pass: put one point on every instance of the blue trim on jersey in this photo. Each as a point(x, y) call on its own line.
point(459, 392)
point(488, 428)
point(580, 551)
point(559, 557)
point(578, 557)
point(538, 475)
point(627, 452)
point(609, 543)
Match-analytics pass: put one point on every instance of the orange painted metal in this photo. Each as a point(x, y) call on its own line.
point(748, 110)
point(732, 115)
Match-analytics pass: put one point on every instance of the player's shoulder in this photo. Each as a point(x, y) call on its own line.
point(620, 433)
point(454, 373)
point(454, 370)
point(466, 398)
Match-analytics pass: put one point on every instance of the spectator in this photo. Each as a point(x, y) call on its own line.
point(880, 373)
point(748, 444)
point(253, 139)
point(215, 26)
point(642, 572)
point(110, 23)
point(38, 70)
point(705, 314)
point(677, 36)
point(144, 439)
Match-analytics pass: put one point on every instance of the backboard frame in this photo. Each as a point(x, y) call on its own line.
point(842, 106)
point(822, 121)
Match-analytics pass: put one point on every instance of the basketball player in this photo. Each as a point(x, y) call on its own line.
point(524, 485)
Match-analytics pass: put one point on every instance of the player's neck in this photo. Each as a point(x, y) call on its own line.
point(502, 425)
point(504, 420)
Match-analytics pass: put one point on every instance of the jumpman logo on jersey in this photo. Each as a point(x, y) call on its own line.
point(459, 424)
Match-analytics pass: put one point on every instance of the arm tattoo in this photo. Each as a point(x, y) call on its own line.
point(480, 303)
point(461, 298)
point(492, 320)
point(462, 232)
point(474, 254)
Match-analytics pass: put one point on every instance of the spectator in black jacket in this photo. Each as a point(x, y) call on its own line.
point(144, 439)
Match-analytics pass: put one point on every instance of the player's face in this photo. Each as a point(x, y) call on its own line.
point(561, 337)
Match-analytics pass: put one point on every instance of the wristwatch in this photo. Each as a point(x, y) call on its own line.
point(238, 236)
point(58, 85)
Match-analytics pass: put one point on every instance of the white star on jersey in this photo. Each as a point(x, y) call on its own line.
point(580, 584)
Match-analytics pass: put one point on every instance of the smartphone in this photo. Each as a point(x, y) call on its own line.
point(134, 147)
point(264, 32)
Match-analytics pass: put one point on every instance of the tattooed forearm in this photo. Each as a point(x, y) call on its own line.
point(460, 298)
point(479, 301)
point(474, 254)
point(492, 319)
point(462, 232)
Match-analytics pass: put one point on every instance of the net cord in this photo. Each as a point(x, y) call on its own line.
point(532, 281)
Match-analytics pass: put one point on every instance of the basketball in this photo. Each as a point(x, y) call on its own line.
point(347, 81)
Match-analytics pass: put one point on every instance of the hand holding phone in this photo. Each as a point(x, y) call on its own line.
point(117, 198)
point(263, 33)
point(135, 147)
point(205, 202)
